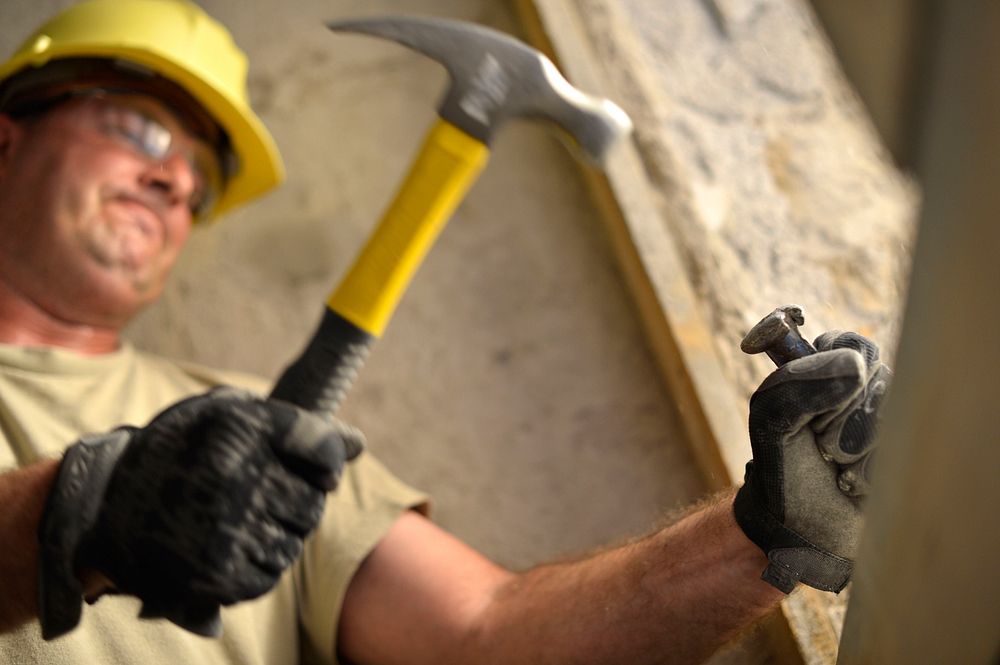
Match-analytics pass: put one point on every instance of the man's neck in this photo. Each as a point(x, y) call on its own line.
point(25, 323)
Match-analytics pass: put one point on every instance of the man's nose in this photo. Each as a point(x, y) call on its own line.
point(173, 177)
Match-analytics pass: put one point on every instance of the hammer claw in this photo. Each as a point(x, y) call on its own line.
point(495, 77)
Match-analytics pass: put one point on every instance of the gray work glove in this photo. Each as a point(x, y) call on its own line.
point(812, 426)
point(205, 506)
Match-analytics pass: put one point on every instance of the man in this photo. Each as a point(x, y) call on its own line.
point(174, 496)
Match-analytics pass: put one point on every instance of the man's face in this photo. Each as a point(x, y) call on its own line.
point(90, 223)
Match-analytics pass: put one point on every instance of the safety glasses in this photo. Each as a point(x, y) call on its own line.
point(130, 120)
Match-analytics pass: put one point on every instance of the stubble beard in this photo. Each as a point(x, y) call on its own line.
point(119, 248)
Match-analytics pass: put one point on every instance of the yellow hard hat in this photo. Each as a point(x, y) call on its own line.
point(175, 39)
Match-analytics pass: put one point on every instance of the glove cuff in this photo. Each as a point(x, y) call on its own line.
point(70, 512)
point(791, 558)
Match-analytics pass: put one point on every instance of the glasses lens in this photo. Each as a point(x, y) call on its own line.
point(205, 163)
point(150, 137)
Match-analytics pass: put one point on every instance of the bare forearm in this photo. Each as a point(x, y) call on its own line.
point(675, 597)
point(424, 597)
point(22, 497)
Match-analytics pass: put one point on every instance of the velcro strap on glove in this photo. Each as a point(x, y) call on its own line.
point(70, 512)
point(791, 558)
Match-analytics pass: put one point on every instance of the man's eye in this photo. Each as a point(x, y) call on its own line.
point(156, 139)
point(145, 134)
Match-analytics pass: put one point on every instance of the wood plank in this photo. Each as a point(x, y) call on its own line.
point(927, 586)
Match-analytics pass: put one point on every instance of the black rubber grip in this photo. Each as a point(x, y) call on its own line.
point(320, 378)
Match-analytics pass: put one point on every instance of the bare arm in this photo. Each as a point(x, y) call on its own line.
point(22, 498)
point(678, 594)
point(23, 494)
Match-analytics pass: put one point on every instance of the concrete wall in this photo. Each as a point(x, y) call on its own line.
point(772, 176)
point(513, 383)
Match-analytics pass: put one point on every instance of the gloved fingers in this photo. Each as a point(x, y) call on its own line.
point(311, 445)
point(276, 552)
point(242, 581)
point(850, 436)
point(246, 562)
point(314, 446)
point(839, 339)
point(238, 559)
point(291, 501)
point(806, 388)
point(855, 479)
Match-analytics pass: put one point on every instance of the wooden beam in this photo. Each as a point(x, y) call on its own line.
point(927, 583)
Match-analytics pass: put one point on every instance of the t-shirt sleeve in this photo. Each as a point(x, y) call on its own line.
point(368, 501)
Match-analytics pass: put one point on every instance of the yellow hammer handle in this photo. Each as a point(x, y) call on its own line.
point(446, 167)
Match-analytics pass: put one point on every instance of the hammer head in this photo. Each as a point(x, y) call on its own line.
point(495, 77)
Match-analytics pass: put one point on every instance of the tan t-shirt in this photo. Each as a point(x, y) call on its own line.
point(49, 397)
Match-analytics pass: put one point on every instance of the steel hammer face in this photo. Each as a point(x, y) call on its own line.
point(495, 77)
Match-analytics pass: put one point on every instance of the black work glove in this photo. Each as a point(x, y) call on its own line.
point(812, 426)
point(205, 506)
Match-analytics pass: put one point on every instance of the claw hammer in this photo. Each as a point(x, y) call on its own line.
point(493, 77)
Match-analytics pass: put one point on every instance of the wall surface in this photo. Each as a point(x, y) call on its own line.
point(772, 176)
point(513, 384)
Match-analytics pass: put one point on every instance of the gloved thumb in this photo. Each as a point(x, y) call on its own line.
point(314, 446)
point(817, 387)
